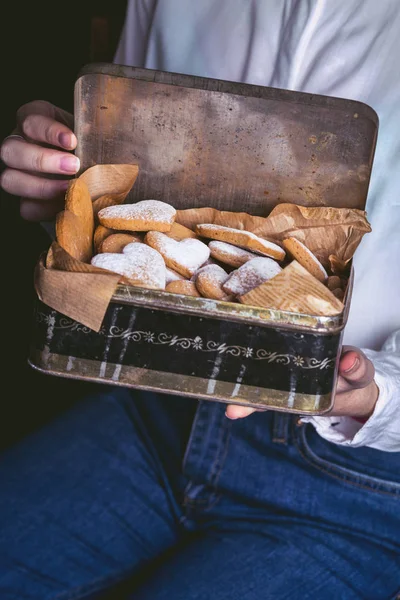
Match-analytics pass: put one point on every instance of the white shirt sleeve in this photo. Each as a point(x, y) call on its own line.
point(382, 430)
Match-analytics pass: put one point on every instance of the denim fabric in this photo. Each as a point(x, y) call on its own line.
point(148, 497)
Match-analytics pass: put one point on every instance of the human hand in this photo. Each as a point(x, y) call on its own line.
point(36, 158)
point(356, 391)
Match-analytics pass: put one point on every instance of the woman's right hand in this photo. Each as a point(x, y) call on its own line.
point(38, 159)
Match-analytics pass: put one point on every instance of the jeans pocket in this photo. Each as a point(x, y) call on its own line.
point(366, 468)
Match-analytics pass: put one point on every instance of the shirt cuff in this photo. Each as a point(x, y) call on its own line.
point(382, 430)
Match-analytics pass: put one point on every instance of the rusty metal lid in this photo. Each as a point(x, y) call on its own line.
point(233, 146)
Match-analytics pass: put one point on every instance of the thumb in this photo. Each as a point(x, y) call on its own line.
point(355, 368)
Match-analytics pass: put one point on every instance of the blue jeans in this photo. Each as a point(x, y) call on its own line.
point(160, 498)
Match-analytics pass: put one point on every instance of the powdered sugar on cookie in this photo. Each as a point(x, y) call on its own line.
point(146, 215)
point(242, 238)
point(230, 254)
point(209, 281)
point(185, 256)
point(250, 275)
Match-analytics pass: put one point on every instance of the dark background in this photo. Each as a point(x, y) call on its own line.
point(43, 47)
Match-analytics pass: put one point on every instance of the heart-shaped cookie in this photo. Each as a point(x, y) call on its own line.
point(147, 215)
point(147, 265)
point(185, 256)
point(142, 265)
point(250, 275)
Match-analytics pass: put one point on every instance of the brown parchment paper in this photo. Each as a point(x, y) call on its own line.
point(74, 288)
point(326, 231)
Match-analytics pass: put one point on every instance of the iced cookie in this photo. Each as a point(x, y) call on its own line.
point(147, 215)
point(187, 288)
point(239, 237)
point(185, 256)
point(305, 257)
point(251, 275)
point(229, 254)
point(209, 282)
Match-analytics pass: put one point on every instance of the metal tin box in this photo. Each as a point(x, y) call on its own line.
point(203, 142)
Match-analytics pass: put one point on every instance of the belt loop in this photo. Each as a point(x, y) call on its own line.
point(280, 428)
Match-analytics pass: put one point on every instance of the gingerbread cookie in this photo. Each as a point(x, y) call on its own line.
point(241, 238)
point(117, 242)
point(305, 257)
point(251, 275)
point(75, 225)
point(185, 287)
point(180, 232)
point(209, 282)
point(229, 254)
point(334, 282)
point(100, 234)
point(142, 265)
point(147, 215)
point(185, 256)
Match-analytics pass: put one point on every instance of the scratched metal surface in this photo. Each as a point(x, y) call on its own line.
point(204, 142)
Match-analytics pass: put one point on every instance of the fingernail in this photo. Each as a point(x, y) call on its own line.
point(353, 367)
point(69, 164)
point(65, 140)
point(231, 418)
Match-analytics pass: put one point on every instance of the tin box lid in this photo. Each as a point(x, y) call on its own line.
point(234, 146)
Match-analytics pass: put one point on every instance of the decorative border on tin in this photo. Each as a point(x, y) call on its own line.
point(185, 343)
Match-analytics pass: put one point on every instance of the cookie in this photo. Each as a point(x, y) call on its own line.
point(180, 232)
point(338, 293)
point(187, 288)
point(171, 275)
point(116, 263)
point(185, 256)
point(241, 238)
point(142, 265)
point(100, 234)
point(209, 282)
point(147, 215)
point(251, 275)
point(294, 289)
point(117, 242)
point(147, 265)
point(72, 236)
point(305, 257)
point(333, 282)
point(75, 235)
point(229, 254)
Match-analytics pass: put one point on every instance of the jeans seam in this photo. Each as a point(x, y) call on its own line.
point(336, 475)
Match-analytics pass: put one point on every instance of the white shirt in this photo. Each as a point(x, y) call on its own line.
point(343, 48)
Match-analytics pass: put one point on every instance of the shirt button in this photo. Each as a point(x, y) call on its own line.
point(299, 422)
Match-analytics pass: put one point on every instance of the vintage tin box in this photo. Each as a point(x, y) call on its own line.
point(202, 142)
